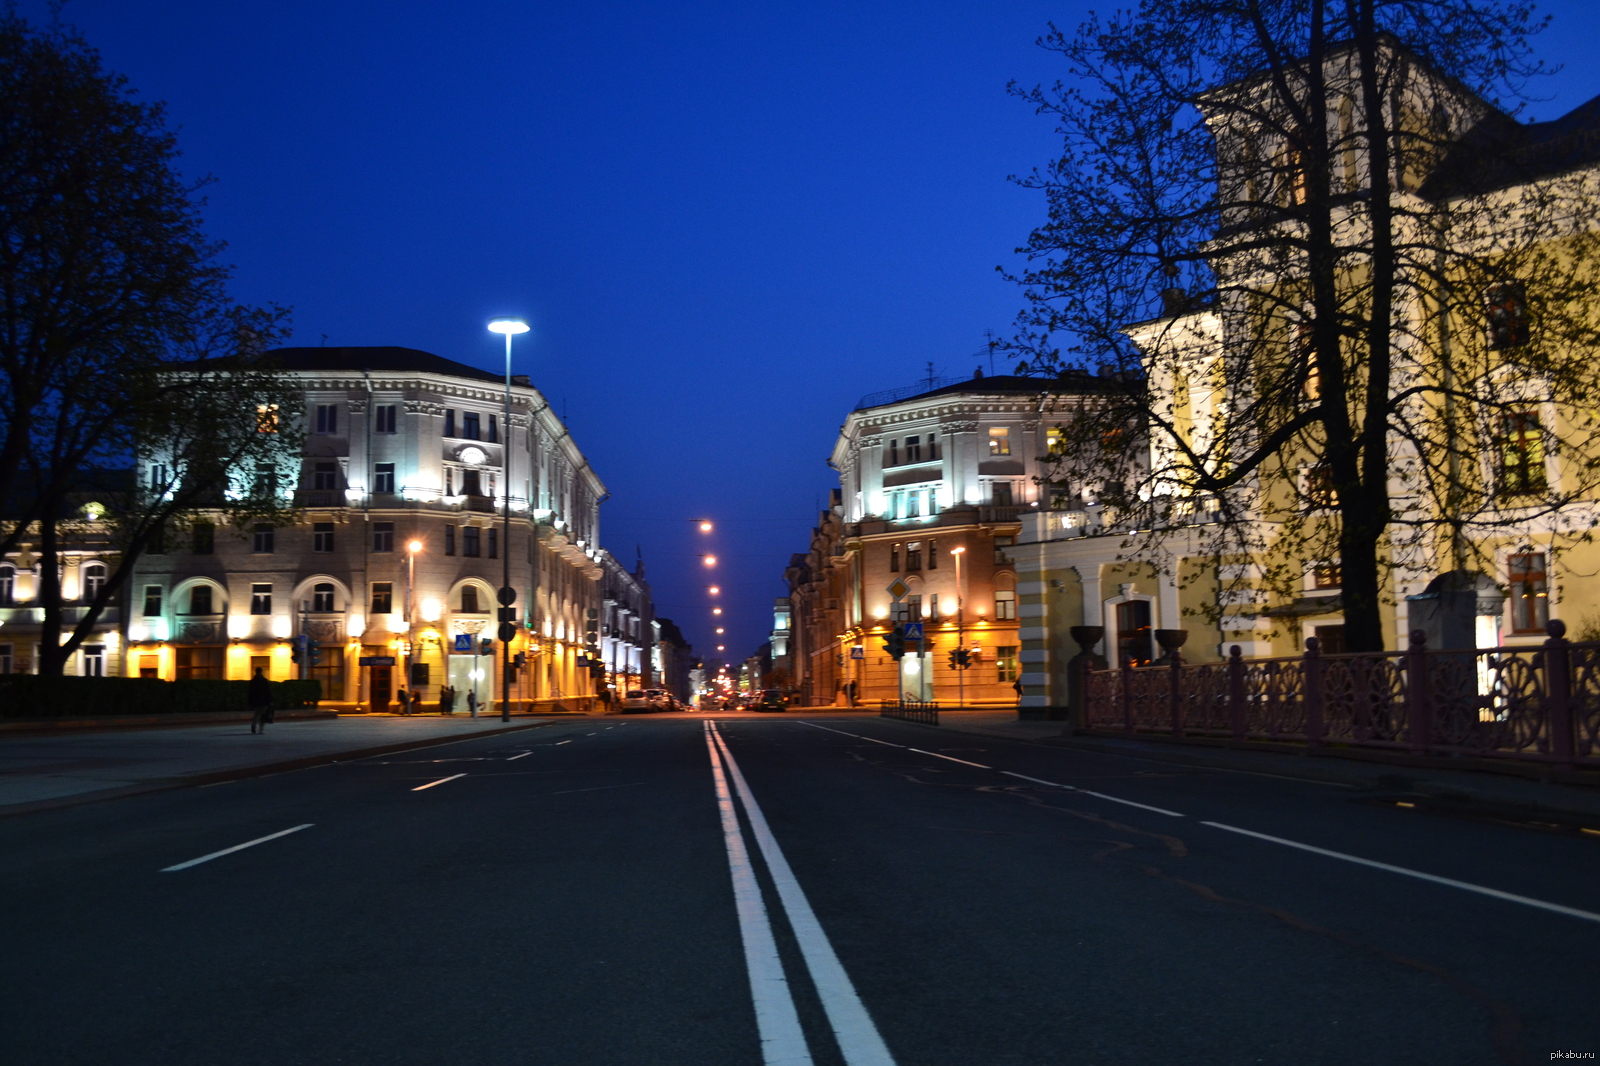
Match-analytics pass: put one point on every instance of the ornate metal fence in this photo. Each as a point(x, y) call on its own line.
point(1539, 703)
point(910, 709)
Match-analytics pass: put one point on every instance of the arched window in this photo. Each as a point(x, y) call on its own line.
point(94, 578)
point(322, 598)
point(469, 599)
point(8, 585)
point(200, 600)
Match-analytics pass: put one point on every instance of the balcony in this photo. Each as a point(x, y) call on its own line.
point(480, 504)
point(319, 498)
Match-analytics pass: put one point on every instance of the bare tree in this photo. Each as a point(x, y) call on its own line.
point(1343, 292)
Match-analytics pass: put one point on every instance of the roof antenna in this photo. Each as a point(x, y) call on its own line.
point(989, 336)
point(930, 375)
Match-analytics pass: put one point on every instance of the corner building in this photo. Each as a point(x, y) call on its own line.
point(392, 567)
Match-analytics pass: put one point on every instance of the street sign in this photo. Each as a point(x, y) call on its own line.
point(464, 643)
point(375, 660)
point(898, 589)
point(913, 630)
point(507, 595)
point(508, 632)
point(858, 652)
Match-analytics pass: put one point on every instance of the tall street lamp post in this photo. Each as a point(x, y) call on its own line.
point(412, 549)
point(961, 640)
point(510, 327)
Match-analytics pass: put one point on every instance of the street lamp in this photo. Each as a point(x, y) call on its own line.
point(961, 642)
point(412, 548)
point(705, 527)
point(509, 327)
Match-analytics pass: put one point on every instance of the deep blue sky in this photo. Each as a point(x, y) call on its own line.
point(726, 221)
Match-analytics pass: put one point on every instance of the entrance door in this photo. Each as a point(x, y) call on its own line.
point(382, 689)
point(1133, 632)
point(469, 673)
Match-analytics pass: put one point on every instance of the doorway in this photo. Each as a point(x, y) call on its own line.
point(382, 689)
point(1133, 632)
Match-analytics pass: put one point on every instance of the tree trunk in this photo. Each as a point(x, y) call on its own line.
point(48, 593)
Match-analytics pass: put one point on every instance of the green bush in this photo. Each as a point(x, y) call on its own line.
point(31, 696)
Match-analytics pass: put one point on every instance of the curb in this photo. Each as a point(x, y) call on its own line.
point(166, 784)
point(112, 723)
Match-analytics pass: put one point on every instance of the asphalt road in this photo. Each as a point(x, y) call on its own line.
point(583, 895)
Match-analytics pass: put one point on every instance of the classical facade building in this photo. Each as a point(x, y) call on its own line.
point(392, 568)
point(934, 483)
point(87, 557)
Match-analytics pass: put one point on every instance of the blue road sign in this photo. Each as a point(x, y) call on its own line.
point(913, 630)
point(375, 660)
point(858, 652)
point(464, 643)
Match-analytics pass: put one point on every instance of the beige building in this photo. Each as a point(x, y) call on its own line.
point(392, 569)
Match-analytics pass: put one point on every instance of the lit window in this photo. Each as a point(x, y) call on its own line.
point(1530, 593)
point(1326, 576)
point(260, 599)
point(1320, 492)
point(999, 440)
point(1005, 605)
point(1005, 661)
point(1521, 455)
point(1507, 307)
point(383, 536)
point(1055, 441)
point(267, 418)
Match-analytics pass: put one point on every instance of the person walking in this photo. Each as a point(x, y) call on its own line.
point(1017, 685)
point(472, 703)
point(259, 699)
point(447, 699)
point(404, 699)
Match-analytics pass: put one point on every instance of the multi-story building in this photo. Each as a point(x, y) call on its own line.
point(392, 567)
point(934, 481)
point(86, 557)
point(624, 625)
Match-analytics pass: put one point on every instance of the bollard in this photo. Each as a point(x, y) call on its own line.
point(1236, 691)
point(1311, 690)
point(1419, 704)
point(1558, 692)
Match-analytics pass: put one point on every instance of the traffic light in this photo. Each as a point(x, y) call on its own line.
point(894, 642)
point(486, 647)
point(519, 660)
point(960, 659)
point(297, 652)
point(313, 654)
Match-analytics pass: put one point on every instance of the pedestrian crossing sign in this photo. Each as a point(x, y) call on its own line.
point(913, 630)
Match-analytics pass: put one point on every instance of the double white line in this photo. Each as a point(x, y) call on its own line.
point(782, 1041)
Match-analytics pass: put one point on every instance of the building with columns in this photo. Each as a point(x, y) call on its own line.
point(392, 566)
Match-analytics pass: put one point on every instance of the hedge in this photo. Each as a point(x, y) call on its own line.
point(34, 696)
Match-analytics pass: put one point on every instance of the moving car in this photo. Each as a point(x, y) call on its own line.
point(771, 700)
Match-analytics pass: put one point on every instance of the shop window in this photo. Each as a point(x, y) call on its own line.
point(1530, 592)
point(1005, 661)
point(195, 664)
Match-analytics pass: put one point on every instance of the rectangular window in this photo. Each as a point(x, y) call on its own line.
point(914, 504)
point(449, 540)
point(1055, 441)
point(191, 664)
point(1134, 633)
point(1005, 606)
point(933, 555)
point(471, 483)
point(470, 541)
point(327, 418)
point(322, 599)
point(494, 430)
point(267, 418)
point(325, 477)
point(260, 599)
point(266, 481)
point(263, 542)
point(494, 543)
point(94, 660)
point(382, 597)
point(1507, 307)
point(383, 536)
point(999, 440)
point(894, 453)
point(152, 601)
point(383, 418)
point(913, 449)
point(322, 537)
point(1530, 593)
point(203, 539)
point(933, 447)
point(1005, 661)
point(7, 662)
point(894, 558)
point(200, 600)
point(914, 555)
point(1000, 494)
point(449, 423)
point(1000, 546)
point(449, 481)
point(1326, 576)
point(158, 477)
point(383, 477)
point(913, 608)
point(469, 425)
point(1320, 493)
point(469, 599)
point(1521, 455)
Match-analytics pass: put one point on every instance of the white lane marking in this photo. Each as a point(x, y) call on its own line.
point(441, 781)
point(858, 736)
point(524, 755)
point(1435, 878)
point(1098, 795)
point(558, 743)
point(858, 1037)
point(777, 1023)
point(589, 734)
point(1039, 781)
point(952, 758)
point(236, 847)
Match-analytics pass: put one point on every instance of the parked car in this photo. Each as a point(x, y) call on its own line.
point(660, 699)
point(636, 701)
point(771, 700)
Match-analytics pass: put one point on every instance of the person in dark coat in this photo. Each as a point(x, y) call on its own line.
point(447, 699)
point(259, 700)
point(403, 698)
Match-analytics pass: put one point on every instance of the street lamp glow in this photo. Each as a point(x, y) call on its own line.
point(711, 560)
point(720, 647)
point(957, 551)
point(719, 631)
point(716, 610)
point(414, 546)
point(714, 590)
point(507, 325)
point(705, 527)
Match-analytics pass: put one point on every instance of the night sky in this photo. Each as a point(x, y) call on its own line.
point(725, 221)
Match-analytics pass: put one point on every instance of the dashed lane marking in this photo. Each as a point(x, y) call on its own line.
point(236, 847)
point(441, 781)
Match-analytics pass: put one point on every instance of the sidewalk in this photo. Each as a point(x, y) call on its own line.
point(43, 772)
point(1468, 791)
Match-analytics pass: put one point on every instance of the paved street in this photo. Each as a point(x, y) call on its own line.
point(838, 890)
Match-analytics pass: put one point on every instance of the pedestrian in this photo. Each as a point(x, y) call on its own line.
point(447, 699)
point(404, 699)
point(259, 699)
point(1017, 686)
point(472, 703)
